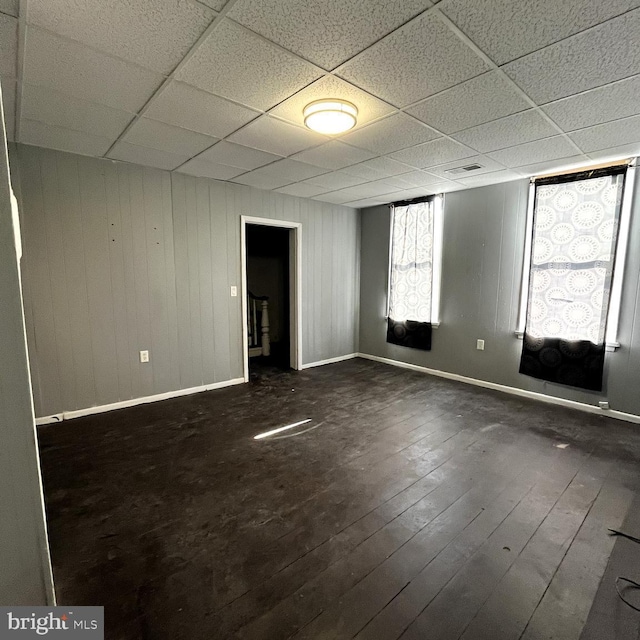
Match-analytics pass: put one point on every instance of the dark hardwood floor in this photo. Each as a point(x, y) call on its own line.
point(410, 507)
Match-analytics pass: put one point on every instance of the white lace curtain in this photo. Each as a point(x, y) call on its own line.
point(574, 244)
point(411, 275)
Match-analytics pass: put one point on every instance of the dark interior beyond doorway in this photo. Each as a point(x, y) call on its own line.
point(268, 277)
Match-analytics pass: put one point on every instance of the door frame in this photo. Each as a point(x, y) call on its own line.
point(295, 288)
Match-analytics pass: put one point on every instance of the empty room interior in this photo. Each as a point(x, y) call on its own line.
point(320, 319)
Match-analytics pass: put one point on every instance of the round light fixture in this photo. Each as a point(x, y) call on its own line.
point(330, 116)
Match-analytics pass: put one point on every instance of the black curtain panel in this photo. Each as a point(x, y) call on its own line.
point(409, 333)
point(577, 364)
point(575, 233)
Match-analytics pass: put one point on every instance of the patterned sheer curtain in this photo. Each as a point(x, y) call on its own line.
point(576, 219)
point(411, 275)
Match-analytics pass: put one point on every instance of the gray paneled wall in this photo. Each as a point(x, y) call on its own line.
point(120, 258)
point(481, 276)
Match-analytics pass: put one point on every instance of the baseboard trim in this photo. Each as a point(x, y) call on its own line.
point(79, 413)
point(319, 363)
point(532, 395)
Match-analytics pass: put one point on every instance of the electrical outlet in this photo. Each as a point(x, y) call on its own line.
point(144, 356)
point(234, 292)
point(480, 345)
point(603, 404)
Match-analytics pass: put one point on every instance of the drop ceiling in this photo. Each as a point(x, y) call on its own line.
point(216, 88)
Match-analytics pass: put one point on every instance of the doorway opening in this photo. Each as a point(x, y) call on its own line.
point(270, 296)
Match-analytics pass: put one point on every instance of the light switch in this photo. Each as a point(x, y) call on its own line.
point(480, 345)
point(234, 292)
point(144, 356)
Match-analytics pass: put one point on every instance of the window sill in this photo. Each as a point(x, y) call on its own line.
point(610, 346)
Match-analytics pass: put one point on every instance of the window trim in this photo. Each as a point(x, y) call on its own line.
point(615, 301)
point(437, 252)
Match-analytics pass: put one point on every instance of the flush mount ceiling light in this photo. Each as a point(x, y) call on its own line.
point(330, 116)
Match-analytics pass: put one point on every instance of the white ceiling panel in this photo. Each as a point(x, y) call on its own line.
point(534, 152)
point(506, 30)
point(9, 106)
point(240, 65)
point(275, 136)
point(165, 137)
point(335, 180)
point(327, 32)
point(8, 45)
point(587, 60)
point(366, 190)
point(412, 180)
point(204, 169)
point(59, 109)
point(279, 174)
point(476, 101)
point(302, 189)
point(335, 197)
point(218, 5)
point(46, 135)
point(494, 177)
point(391, 134)
point(146, 156)
point(611, 134)
point(10, 7)
point(235, 155)
point(334, 155)
point(152, 33)
point(624, 151)
point(185, 106)
point(76, 70)
point(611, 102)
point(369, 107)
point(415, 62)
point(368, 202)
point(377, 168)
point(487, 165)
point(553, 166)
point(507, 132)
point(433, 153)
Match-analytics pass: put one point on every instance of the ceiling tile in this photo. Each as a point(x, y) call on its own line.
point(51, 107)
point(240, 65)
point(76, 70)
point(218, 5)
point(8, 45)
point(367, 190)
point(9, 106)
point(377, 168)
point(611, 134)
point(368, 202)
point(369, 107)
point(391, 134)
point(204, 169)
point(611, 102)
point(534, 152)
point(587, 60)
point(335, 197)
point(46, 135)
point(415, 62)
point(616, 153)
point(506, 30)
point(235, 155)
point(328, 32)
point(146, 156)
point(552, 166)
point(335, 180)
point(412, 180)
point(476, 101)
point(507, 132)
point(432, 153)
point(333, 155)
point(279, 174)
point(494, 177)
point(152, 33)
point(10, 7)
point(302, 189)
point(487, 165)
point(165, 137)
point(185, 106)
point(275, 136)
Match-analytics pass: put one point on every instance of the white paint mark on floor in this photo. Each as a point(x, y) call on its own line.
point(561, 446)
point(279, 429)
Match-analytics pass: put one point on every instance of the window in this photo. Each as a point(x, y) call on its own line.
point(577, 233)
point(415, 261)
